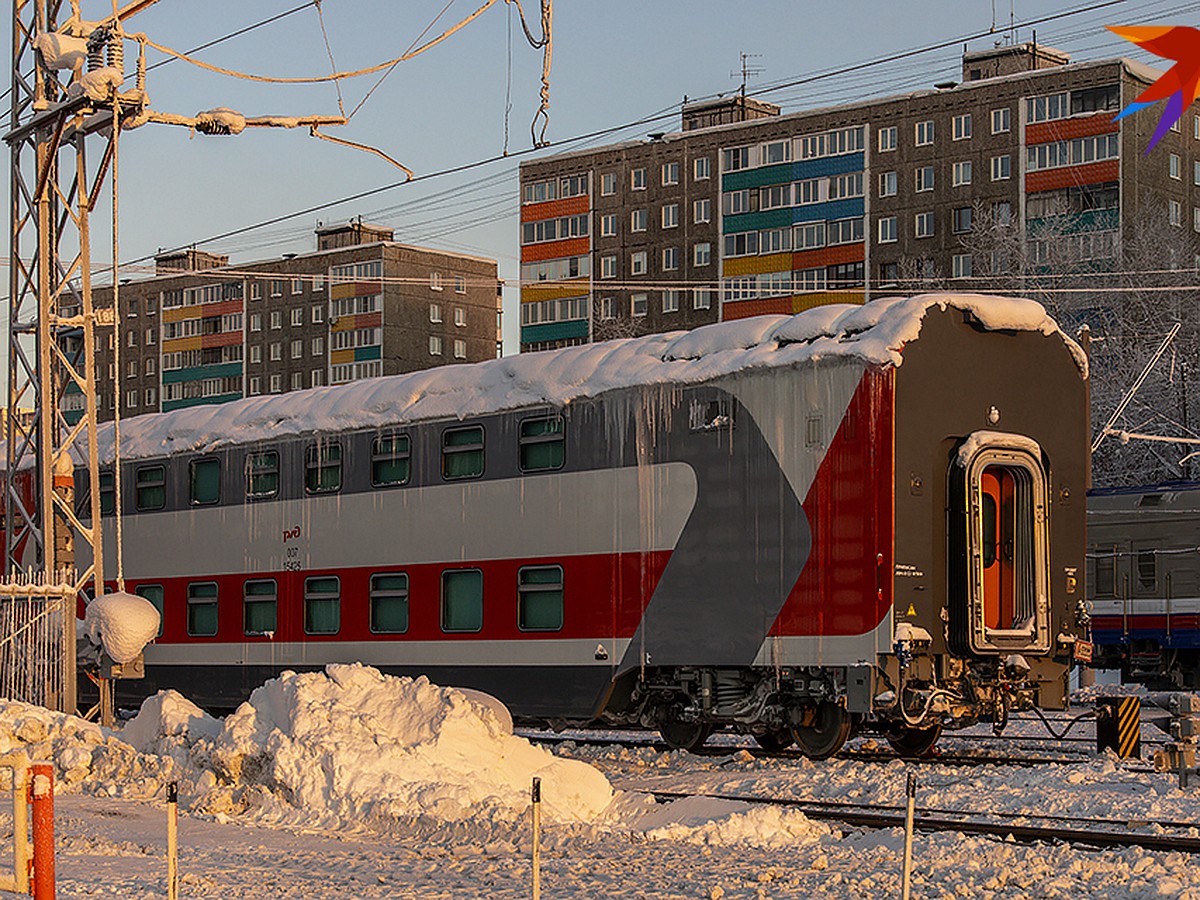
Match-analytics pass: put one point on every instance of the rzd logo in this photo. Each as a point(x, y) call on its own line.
point(1178, 85)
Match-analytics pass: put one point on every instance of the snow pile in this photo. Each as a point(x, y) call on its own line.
point(97, 84)
point(123, 624)
point(874, 333)
point(352, 745)
point(706, 820)
point(169, 724)
point(61, 51)
point(221, 120)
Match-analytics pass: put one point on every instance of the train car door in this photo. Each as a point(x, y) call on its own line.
point(1003, 603)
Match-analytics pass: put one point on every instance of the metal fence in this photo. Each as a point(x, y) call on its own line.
point(37, 642)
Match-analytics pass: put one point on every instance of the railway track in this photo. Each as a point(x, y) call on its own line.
point(1100, 833)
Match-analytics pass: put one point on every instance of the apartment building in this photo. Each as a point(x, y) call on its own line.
point(362, 305)
point(747, 211)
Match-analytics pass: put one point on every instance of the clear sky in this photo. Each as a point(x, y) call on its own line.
point(614, 63)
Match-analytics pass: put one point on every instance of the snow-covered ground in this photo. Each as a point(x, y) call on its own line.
point(353, 785)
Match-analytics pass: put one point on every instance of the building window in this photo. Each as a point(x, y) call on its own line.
point(131, 339)
point(1175, 212)
point(961, 127)
point(435, 345)
point(462, 600)
point(607, 310)
point(670, 215)
point(297, 316)
point(1044, 109)
point(608, 184)
point(149, 367)
point(1001, 167)
point(460, 349)
point(276, 351)
point(961, 219)
point(151, 397)
point(702, 210)
point(276, 287)
point(260, 607)
point(701, 168)
point(318, 283)
point(202, 609)
point(462, 452)
point(256, 321)
point(608, 225)
point(702, 298)
point(1001, 120)
point(1173, 167)
point(670, 173)
point(131, 399)
point(670, 300)
point(276, 319)
point(318, 346)
point(255, 385)
point(255, 290)
point(460, 284)
point(316, 378)
point(961, 266)
point(637, 263)
point(1002, 213)
point(323, 467)
point(637, 179)
point(276, 384)
point(435, 312)
point(637, 220)
point(923, 225)
point(389, 603)
point(256, 353)
point(887, 139)
point(924, 176)
point(961, 173)
point(734, 159)
point(702, 254)
point(297, 349)
point(888, 184)
point(1196, 219)
point(131, 370)
point(151, 488)
point(542, 444)
point(391, 460)
point(297, 285)
point(923, 133)
point(151, 337)
point(297, 381)
point(638, 305)
point(204, 481)
point(318, 314)
point(887, 230)
point(608, 267)
point(540, 598)
point(322, 605)
point(262, 474)
point(670, 259)
point(435, 281)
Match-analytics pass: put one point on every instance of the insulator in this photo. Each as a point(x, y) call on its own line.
point(95, 56)
point(141, 68)
point(116, 51)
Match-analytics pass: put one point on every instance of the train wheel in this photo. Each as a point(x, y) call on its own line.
point(774, 741)
point(688, 736)
point(913, 743)
point(826, 734)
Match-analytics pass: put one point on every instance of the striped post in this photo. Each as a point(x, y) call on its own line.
point(42, 788)
point(1119, 726)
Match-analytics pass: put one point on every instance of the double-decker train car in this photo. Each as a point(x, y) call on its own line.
point(1144, 583)
point(787, 526)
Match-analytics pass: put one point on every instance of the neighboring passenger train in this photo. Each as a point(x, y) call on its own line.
point(1144, 583)
point(787, 526)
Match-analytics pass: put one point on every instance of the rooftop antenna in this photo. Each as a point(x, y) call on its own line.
point(748, 70)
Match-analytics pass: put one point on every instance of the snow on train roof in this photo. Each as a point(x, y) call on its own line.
point(875, 332)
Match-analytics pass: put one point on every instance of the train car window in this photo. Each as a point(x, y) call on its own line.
point(462, 600)
point(540, 598)
point(151, 490)
point(391, 460)
point(108, 493)
point(389, 603)
point(202, 609)
point(262, 474)
point(204, 481)
point(153, 593)
point(542, 444)
point(1105, 582)
point(1147, 569)
point(462, 452)
point(323, 467)
point(260, 606)
point(322, 605)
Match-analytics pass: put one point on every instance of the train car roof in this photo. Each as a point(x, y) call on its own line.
point(1172, 496)
point(875, 333)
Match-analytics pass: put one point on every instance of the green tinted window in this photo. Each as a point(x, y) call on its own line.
point(202, 609)
point(204, 481)
point(322, 605)
point(542, 444)
point(540, 598)
point(390, 460)
point(462, 600)
point(462, 452)
point(259, 606)
point(108, 493)
point(262, 474)
point(323, 468)
point(151, 487)
point(389, 603)
point(153, 593)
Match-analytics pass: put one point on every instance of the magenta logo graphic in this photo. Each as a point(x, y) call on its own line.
point(1178, 85)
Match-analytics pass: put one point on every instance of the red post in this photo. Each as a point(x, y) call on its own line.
point(42, 790)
